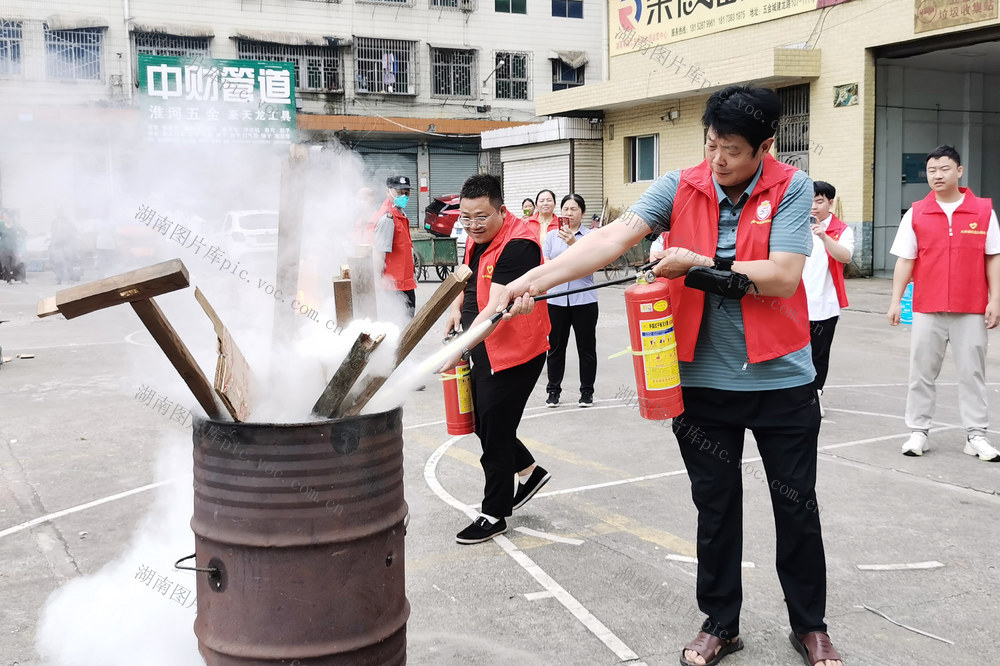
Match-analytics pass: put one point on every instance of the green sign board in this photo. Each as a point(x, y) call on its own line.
point(202, 100)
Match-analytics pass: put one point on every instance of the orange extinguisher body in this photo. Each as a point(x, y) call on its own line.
point(457, 385)
point(654, 350)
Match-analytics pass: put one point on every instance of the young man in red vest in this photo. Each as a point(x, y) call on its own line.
point(950, 243)
point(507, 358)
point(392, 244)
point(747, 215)
point(823, 277)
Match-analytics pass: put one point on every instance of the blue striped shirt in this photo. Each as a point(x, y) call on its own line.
point(720, 355)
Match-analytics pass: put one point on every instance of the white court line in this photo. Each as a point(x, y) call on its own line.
point(535, 596)
point(694, 560)
point(933, 564)
point(88, 505)
point(585, 617)
point(546, 535)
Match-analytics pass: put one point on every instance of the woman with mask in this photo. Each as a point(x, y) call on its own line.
point(528, 206)
point(576, 311)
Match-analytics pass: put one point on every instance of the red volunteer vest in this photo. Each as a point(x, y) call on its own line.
point(949, 274)
point(835, 228)
point(772, 326)
point(524, 337)
point(535, 225)
point(398, 270)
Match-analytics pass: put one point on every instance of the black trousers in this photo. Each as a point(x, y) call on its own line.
point(821, 337)
point(583, 320)
point(411, 301)
point(710, 433)
point(498, 401)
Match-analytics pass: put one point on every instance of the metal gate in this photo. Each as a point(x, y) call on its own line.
point(450, 166)
point(792, 138)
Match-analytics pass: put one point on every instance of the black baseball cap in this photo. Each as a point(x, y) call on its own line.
point(398, 182)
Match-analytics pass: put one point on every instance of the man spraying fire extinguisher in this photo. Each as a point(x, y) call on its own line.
point(738, 222)
point(507, 357)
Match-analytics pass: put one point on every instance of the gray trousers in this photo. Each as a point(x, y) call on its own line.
point(928, 341)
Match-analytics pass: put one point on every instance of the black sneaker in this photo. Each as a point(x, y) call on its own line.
point(586, 400)
point(525, 491)
point(553, 400)
point(480, 530)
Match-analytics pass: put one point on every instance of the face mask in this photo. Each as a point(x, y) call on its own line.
point(527, 212)
point(401, 200)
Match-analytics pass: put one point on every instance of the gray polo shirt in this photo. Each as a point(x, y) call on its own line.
point(720, 356)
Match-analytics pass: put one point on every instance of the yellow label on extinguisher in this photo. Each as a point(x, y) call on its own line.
point(659, 354)
point(464, 390)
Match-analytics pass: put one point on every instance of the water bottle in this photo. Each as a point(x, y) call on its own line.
point(906, 305)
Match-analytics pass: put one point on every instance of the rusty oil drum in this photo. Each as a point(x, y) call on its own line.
point(299, 541)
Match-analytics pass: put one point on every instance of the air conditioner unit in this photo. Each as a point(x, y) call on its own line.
point(467, 5)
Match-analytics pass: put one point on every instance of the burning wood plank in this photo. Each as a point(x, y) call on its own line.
point(340, 385)
point(363, 283)
point(432, 310)
point(138, 288)
point(342, 299)
point(233, 377)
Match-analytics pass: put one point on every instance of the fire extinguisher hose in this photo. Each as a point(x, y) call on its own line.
point(640, 271)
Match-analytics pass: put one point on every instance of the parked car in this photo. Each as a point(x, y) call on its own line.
point(440, 216)
point(248, 232)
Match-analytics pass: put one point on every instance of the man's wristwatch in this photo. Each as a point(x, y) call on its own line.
point(722, 264)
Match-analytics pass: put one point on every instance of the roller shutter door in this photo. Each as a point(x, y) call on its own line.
point(450, 168)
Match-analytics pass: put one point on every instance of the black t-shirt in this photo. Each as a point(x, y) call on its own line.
point(518, 257)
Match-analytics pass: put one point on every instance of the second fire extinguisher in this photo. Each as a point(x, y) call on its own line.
point(654, 349)
point(457, 385)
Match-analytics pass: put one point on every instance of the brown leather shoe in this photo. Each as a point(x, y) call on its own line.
point(814, 647)
point(711, 648)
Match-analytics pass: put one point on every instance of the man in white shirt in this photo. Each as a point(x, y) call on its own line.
point(950, 243)
point(823, 277)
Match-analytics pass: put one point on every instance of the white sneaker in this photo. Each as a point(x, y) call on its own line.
point(916, 444)
point(977, 445)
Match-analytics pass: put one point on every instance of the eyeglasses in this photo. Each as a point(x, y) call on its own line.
point(480, 222)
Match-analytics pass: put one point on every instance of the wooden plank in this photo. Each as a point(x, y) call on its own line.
point(363, 283)
point(178, 354)
point(138, 285)
point(343, 301)
point(233, 377)
point(291, 204)
point(426, 317)
point(47, 307)
point(328, 404)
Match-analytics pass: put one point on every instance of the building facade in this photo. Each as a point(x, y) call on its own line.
point(408, 84)
point(868, 86)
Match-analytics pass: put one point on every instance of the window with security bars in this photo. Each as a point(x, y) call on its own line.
point(386, 2)
point(386, 66)
point(512, 75)
point(564, 76)
point(74, 54)
point(10, 48)
point(792, 138)
point(447, 3)
point(154, 43)
point(453, 72)
point(317, 68)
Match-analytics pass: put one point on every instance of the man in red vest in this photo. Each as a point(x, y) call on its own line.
point(745, 363)
point(507, 363)
point(392, 244)
point(823, 277)
point(949, 242)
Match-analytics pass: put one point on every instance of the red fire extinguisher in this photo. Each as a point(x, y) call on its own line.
point(458, 399)
point(654, 349)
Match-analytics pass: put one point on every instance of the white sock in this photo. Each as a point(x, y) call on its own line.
point(490, 519)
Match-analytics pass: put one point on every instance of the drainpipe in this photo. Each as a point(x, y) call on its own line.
point(128, 83)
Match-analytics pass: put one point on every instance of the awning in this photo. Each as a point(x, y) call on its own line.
point(67, 22)
point(176, 29)
point(574, 59)
point(291, 38)
point(453, 47)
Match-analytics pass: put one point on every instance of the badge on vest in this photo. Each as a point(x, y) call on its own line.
point(972, 229)
point(763, 212)
point(489, 273)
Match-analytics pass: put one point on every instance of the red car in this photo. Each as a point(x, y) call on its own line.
point(441, 215)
